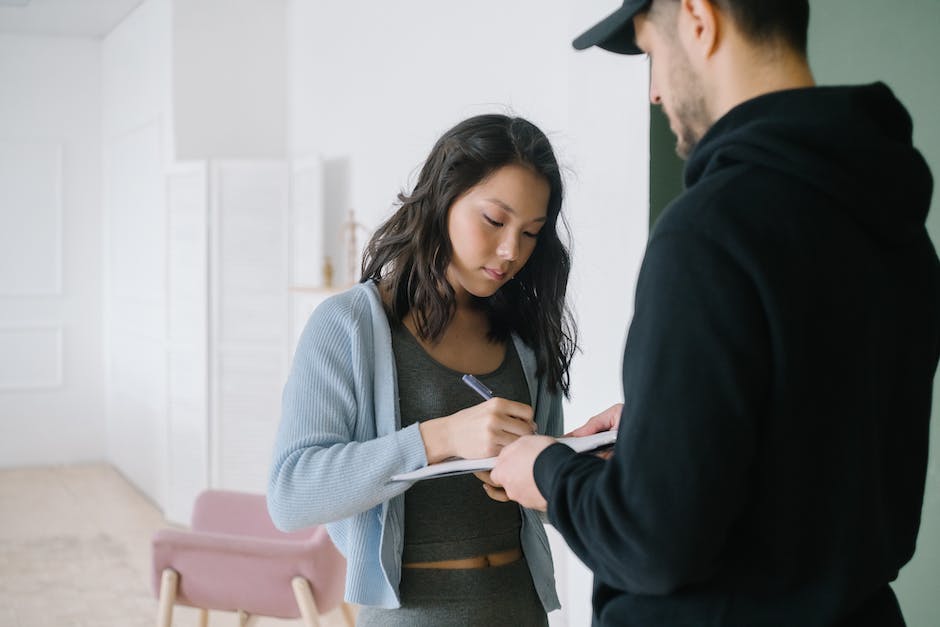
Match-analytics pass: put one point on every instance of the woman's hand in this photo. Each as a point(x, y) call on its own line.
point(495, 492)
point(478, 431)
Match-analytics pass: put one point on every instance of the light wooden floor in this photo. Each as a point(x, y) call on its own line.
point(75, 552)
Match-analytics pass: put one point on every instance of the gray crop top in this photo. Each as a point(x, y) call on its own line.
point(452, 517)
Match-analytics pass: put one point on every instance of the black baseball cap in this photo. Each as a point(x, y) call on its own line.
point(614, 32)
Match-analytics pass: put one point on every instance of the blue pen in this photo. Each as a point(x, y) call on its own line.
point(477, 386)
point(483, 391)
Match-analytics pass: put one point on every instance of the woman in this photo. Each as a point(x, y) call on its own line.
point(468, 276)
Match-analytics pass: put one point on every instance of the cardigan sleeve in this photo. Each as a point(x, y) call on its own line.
point(328, 463)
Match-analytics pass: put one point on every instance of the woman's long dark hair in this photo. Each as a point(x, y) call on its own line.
point(409, 254)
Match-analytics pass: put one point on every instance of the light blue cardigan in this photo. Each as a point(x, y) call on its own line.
point(340, 440)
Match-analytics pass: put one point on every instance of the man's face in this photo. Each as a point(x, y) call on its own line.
point(673, 83)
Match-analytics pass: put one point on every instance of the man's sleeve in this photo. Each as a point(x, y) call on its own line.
point(695, 375)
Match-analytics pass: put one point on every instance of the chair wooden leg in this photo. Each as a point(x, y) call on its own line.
point(305, 603)
point(349, 615)
point(203, 618)
point(168, 585)
point(245, 619)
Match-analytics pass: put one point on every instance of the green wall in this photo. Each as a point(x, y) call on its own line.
point(858, 41)
point(665, 164)
point(854, 41)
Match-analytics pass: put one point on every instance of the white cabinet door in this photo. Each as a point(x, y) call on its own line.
point(227, 325)
point(249, 317)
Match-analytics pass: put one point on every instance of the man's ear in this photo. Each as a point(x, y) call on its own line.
point(700, 28)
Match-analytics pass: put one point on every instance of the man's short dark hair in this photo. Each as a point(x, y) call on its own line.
point(764, 21)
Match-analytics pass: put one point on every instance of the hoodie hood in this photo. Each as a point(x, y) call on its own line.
point(852, 143)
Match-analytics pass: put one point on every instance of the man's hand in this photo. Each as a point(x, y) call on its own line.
point(513, 471)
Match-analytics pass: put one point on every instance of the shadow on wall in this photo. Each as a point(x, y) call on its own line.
point(337, 184)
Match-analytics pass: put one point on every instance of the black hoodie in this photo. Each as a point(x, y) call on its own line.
point(770, 464)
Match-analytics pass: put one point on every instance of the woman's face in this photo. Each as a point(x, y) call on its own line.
point(493, 230)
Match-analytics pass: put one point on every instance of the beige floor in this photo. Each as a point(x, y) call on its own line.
point(75, 552)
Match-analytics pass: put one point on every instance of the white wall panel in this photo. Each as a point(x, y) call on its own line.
point(137, 411)
point(187, 339)
point(306, 222)
point(251, 251)
point(250, 382)
point(30, 218)
point(136, 306)
point(32, 356)
point(249, 317)
point(137, 219)
point(51, 354)
point(137, 123)
point(307, 230)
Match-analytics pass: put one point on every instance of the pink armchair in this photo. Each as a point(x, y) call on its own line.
point(234, 559)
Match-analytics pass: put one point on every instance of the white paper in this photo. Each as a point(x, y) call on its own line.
point(463, 466)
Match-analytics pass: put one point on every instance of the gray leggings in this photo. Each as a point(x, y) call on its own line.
point(499, 595)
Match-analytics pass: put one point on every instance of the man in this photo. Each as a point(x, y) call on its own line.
point(771, 454)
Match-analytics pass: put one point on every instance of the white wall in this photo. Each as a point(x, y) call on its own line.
point(609, 209)
point(137, 145)
point(372, 86)
point(51, 373)
point(229, 78)
point(207, 77)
